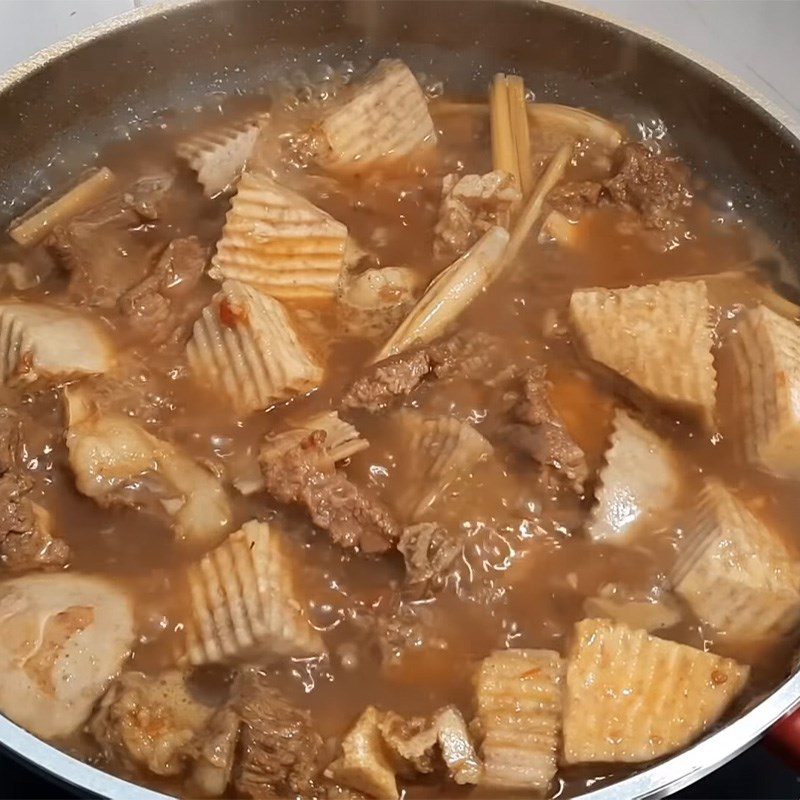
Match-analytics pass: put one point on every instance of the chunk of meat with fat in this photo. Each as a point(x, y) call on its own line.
point(374, 302)
point(468, 355)
point(429, 550)
point(111, 455)
point(766, 349)
point(276, 240)
point(26, 530)
point(218, 155)
point(471, 204)
point(735, 572)
point(305, 475)
point(246, 344)
point(157, 306)
point(385, 120)
point(245, 601)
point(278, 749)
point(437, 452)
point(632, 697)
point(540, 432)
point(639, 481)
point(518, 694)
point(659, 337)
point(63, 638)
point(44, 345)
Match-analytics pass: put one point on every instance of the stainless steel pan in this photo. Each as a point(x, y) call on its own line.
point(60, 106)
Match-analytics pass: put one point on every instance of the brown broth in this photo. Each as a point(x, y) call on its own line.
point(530, 567)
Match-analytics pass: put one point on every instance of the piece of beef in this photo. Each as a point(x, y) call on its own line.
point(278, 746)
point(305, 475)
point(407, 627)
point(101, 253)
point(157, 306)
point(26, 540)
point(655, 186)
point(429, 551)
point(540, 432)
point(398, 376)
point(147, 195)
point(12, 443)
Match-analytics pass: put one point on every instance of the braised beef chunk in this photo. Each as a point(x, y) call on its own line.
point(278, 746)
point(429, 551)
point(305, 475)
point(103, 257)
point(157, 306)
point(469, 355)
point(26, 542)
point(540, 432)
point(12, 443)
point(148, 195)
point(657, 187)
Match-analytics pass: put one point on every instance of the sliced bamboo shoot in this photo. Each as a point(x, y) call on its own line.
point(34, 225)
point(449, 293)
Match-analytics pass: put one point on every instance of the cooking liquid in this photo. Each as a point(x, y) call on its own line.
point(529, 566)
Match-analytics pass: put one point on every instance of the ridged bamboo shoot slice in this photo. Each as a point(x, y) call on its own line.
point(386, 120)
point(639, 480)
point(440, 450)
point(245, 344)
point(519, 714)
point(736, 573)
point(218, 155)
point(658, 336)
point(245, 603)
point(767, 355)
point(631, 697)
point(277, 240)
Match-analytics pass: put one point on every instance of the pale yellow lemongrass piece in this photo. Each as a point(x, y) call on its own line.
point(504, 152)
point(576, 122)
point(521, 132)
point(30, 229)
point(449, 293)
point(533, 208)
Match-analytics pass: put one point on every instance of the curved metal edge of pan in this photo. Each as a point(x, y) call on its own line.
point(672, 774)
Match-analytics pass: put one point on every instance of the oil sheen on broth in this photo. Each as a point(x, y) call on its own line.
point(525, 569)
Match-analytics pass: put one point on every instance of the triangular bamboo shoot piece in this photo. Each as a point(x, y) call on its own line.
point(280, 242)
point(245, 344)
point(631, 697)
point(385, 120)
point(659, 337)
point(245, 603)
point(736, 573)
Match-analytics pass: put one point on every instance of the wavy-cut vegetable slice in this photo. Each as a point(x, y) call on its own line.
point(245, 603)
point(640, 479)
point(63, 639)
point(440, 450)
point(449, 293)
point(735, 572)
point(280, 242)
point(218, 155)
point(659, 337)
point(386, 120)
point(244, 343)
point(766, 350)
point(42, 345)
point(632, 697)
point(518, 695)
point(111, 452)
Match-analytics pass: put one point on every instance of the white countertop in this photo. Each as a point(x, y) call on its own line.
point(757, 40)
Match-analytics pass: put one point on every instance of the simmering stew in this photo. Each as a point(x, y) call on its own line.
point(359, 440)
